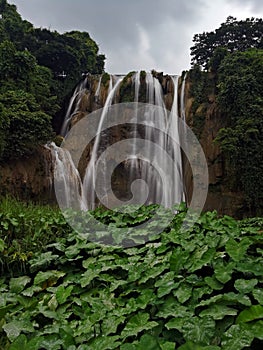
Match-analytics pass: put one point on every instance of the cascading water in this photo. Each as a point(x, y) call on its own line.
point(97, 92)
point(176, 192)
point(133, 163)
point(67, 176)
point(74, 102)
point(182, 102)
point(167, 190)
point(160, 127)
point(89, 194)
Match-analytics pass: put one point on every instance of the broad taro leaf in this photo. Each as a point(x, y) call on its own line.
point(137, 324)
point(236, 338)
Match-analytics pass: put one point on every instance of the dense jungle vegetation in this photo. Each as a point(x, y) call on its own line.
point(233, 55)
point(38, 69)
point(192, 288)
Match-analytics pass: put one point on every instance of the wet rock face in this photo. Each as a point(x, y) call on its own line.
point(220, 197)
point(31, 178)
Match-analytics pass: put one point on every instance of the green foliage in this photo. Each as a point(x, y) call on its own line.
point(27, 126)
point(197, 289)
point(72, 52)
point(240, 99)
point(25, 229)
point(201, 86)
point(219, 54)
point(232, 35)
point(105, 78)
point(43, 66)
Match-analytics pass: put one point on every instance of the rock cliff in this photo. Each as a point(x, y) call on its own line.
point(31, 178)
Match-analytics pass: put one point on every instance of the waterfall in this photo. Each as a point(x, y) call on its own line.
point(68, 182)
point(149, 88)
point(182, 102)
point(97, 92)
point(133, 163)
point(167, 190)
point(160, 170)
point(89, 194)
point(176, 193)
point(74, 102)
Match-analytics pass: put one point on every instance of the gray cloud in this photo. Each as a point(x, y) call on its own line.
point(133, 34)
point(255, 5)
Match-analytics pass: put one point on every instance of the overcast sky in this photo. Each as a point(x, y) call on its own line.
point(138, 34)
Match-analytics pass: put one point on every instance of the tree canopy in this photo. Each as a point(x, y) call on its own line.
point(240, 87)
point(233, 35)
point(232, 56)
point(38, 68)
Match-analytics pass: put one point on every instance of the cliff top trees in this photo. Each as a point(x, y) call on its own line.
point(31, 64)
point(73, 52)
point(240, 99)
point(233, 35)
point(234, 53)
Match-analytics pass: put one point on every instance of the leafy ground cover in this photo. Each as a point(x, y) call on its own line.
point(200, 289)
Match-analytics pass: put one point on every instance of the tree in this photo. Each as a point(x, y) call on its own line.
point(31, 85)
point(17, 67)
point(25, 126)
point(233, 35)
point(219, 54)
point(4, 125)
point(240, 89)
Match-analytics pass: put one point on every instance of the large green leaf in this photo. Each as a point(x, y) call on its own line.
point(87, 277)
point(183, 292)
point(63, 293)
point(148, 342)
point(236, 338)
point(18, 284)
point(213, 283)
point(2, 245)
point(166, 284)
point(201, 257)
point(41, 260)
point(48, 276)
point(142, 301)
point(137, 324)
point(251, 314)
point(106, 343)
point(227, 299)
point(251, 266)
point(21, 343)
point(200, 330)
point(237, 250)
point(171, 307)
point(223, 273)
point(192, 346)
point(129, 346)
point(167, 345)
point(258, 295)
point(111, 323)
point(218, 311)
point(153, 272)
point(178, 260)
point(14, 328)
point(176, 323)
point(52, 342)
point(245, 286)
